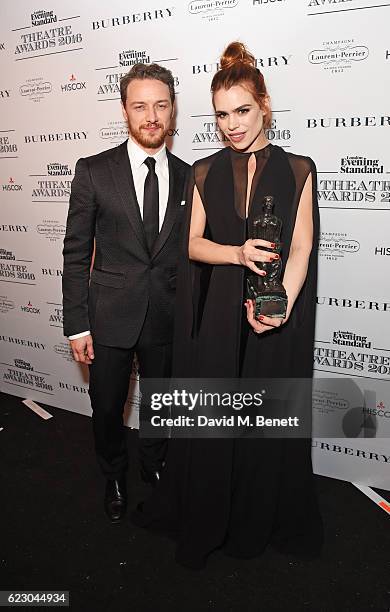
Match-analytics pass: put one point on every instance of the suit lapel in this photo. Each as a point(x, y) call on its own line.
point(174, 198)
point(123, 180)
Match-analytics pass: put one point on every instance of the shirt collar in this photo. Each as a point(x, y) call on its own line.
point(137, 155)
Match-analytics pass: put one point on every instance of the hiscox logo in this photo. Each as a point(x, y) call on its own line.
point(35, 89)
point(274, 61)
point(12, 185)
point(211, 10)
point(336, 245)
point(30, 309)
point(131, 57)
point(380, 410)
point(382, 250)
point(73, 85)
point(338, 55)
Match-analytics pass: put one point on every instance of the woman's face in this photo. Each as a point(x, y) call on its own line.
point(240, 118)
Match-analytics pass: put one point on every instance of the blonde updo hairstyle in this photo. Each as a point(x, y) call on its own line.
point(238, 67)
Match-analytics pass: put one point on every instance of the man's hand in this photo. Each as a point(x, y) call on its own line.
point(82, 349)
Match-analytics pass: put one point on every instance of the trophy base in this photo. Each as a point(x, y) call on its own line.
point(274, 306)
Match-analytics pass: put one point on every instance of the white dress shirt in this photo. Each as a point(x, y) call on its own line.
point(139, 170)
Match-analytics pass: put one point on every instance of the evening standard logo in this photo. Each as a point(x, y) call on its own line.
point(358, 164)
point(9, 255)
point(132, 57)
point(55, 137)
point(5, 94)
point(49, 39)
point(7, 146)
point(73, 85)
point(339, 55)
point(12, 185)
point(116, 132)
point(142, 17)
point(62, 349)
point(211, 10)
point(56, 316)
point(57, 169)
point(348, 338)
point(29, 308)
point(23, 365)
point(35, 89)
point(51, 230)
point(336, 245)
point(6, 304)
point(274, 61)
point(39, 18)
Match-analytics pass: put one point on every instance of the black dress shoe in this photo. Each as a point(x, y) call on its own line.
point(115, 500)
point(150, 476)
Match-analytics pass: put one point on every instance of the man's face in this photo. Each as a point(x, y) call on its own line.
point(148, 112)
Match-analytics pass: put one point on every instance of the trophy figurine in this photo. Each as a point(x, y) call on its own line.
point(267, 292)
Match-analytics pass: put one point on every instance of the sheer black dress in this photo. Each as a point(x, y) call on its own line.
point(239, 494)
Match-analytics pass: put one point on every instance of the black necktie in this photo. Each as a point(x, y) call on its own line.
point(151, 216)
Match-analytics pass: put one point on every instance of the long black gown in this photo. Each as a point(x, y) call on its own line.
point(239, 494)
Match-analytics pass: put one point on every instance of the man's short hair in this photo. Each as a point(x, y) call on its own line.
point(147, 71)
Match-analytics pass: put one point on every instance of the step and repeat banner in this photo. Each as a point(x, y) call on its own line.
point(327, 66)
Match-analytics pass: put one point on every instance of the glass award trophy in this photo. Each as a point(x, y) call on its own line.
point(267, 292)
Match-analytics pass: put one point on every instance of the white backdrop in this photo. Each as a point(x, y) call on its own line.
point(326, 63)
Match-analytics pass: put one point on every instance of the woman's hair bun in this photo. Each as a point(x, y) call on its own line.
point(236, 53)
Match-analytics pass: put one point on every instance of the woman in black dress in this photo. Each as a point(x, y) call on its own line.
point(242, 494)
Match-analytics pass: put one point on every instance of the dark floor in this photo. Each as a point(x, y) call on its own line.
point(54, 535)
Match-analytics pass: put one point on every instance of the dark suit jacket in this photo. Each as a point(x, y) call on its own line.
point(126, 279)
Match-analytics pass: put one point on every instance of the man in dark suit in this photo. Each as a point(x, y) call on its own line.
point(126, 202)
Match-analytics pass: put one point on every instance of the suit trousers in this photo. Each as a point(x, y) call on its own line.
point(108, 389)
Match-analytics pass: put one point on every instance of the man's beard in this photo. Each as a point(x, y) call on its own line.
point(149, 141)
